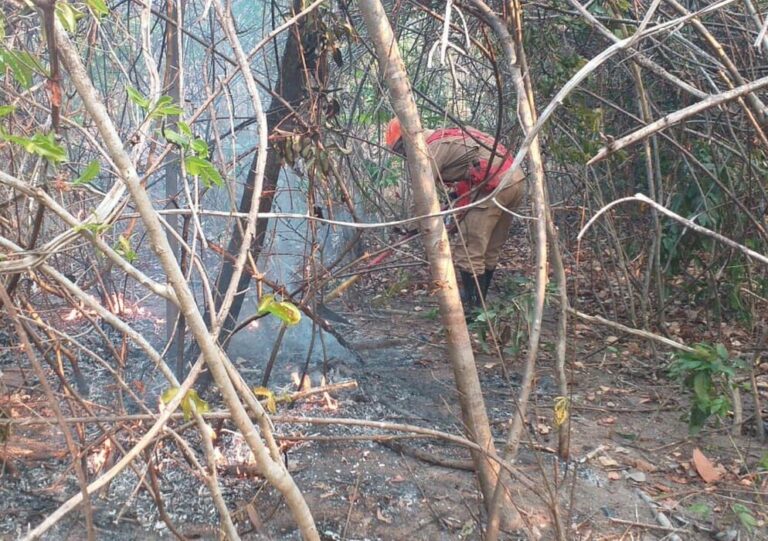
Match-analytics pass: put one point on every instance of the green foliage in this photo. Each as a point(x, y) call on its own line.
point(22, 65)
point(162, 109)
point(41, 145)
point(204, 169)
point(90, 173)
point(124, 249)
point(701, 510)
point(708, 371)
point(746, 518)
point(196, 154)
point(68, 16)
point(510, 316)
point(6, 110)
point(93, 227)
point(763, 464)
point(98, 7)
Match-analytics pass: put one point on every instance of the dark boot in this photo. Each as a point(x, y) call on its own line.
point(468, 290)
point(485, 283)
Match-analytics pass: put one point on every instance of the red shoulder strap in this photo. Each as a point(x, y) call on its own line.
point(470, 133)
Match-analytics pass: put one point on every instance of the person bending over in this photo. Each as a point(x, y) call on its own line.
point(471, 165)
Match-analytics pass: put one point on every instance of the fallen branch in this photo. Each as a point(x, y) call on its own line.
point(430, 458)
point(630, 330)
point(645, 525)
point(331, 388)
point(660, 517)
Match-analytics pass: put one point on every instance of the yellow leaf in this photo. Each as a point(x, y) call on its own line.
point(269, 397)
point(562, 407)
point(169, 394)
point(285, 311)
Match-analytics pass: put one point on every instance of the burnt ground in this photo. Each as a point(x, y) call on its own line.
point(628, 438)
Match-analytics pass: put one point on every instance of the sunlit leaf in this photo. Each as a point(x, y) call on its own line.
point(285, 311)
point(189, 404)
point(6, 110)
point(90, 173)
point(98, 7)
point(165, 107)
point(184, 128)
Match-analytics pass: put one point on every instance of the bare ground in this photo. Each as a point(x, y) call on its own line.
point(628, 437)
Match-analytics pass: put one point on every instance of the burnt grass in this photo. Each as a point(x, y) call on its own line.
point(629, 437)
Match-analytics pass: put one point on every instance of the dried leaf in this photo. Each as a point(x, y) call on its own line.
point(382, 517)
point(642, 465)
point(705, 468)
point(614, 475)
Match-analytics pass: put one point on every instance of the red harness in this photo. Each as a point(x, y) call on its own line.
point(478, 173)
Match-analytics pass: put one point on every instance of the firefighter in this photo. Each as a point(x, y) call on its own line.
point(465, 161)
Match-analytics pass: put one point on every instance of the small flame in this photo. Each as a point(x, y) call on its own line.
point(330, 403)
point(97, 460)
point(304, 385)
point(218, 457)
point(118, 305)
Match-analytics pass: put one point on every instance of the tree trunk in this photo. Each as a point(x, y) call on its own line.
point(438, 252)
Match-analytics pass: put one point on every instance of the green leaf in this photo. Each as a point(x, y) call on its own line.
point(284, 311)
point(94, 227)
point(165, 107)
point(137, 97)
point(68, 16)
point(204, 169)
point(124, 249)
point(44, 146)
point(200, 147)
point(701, 386)
point(722, 352)
point(6, 110)
point(90, 173)
point(21, 64)
point(763, 464)
point(184, 128)
point(700, 509)
point(98, 7)
point(745, 516)
point(176, 138)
